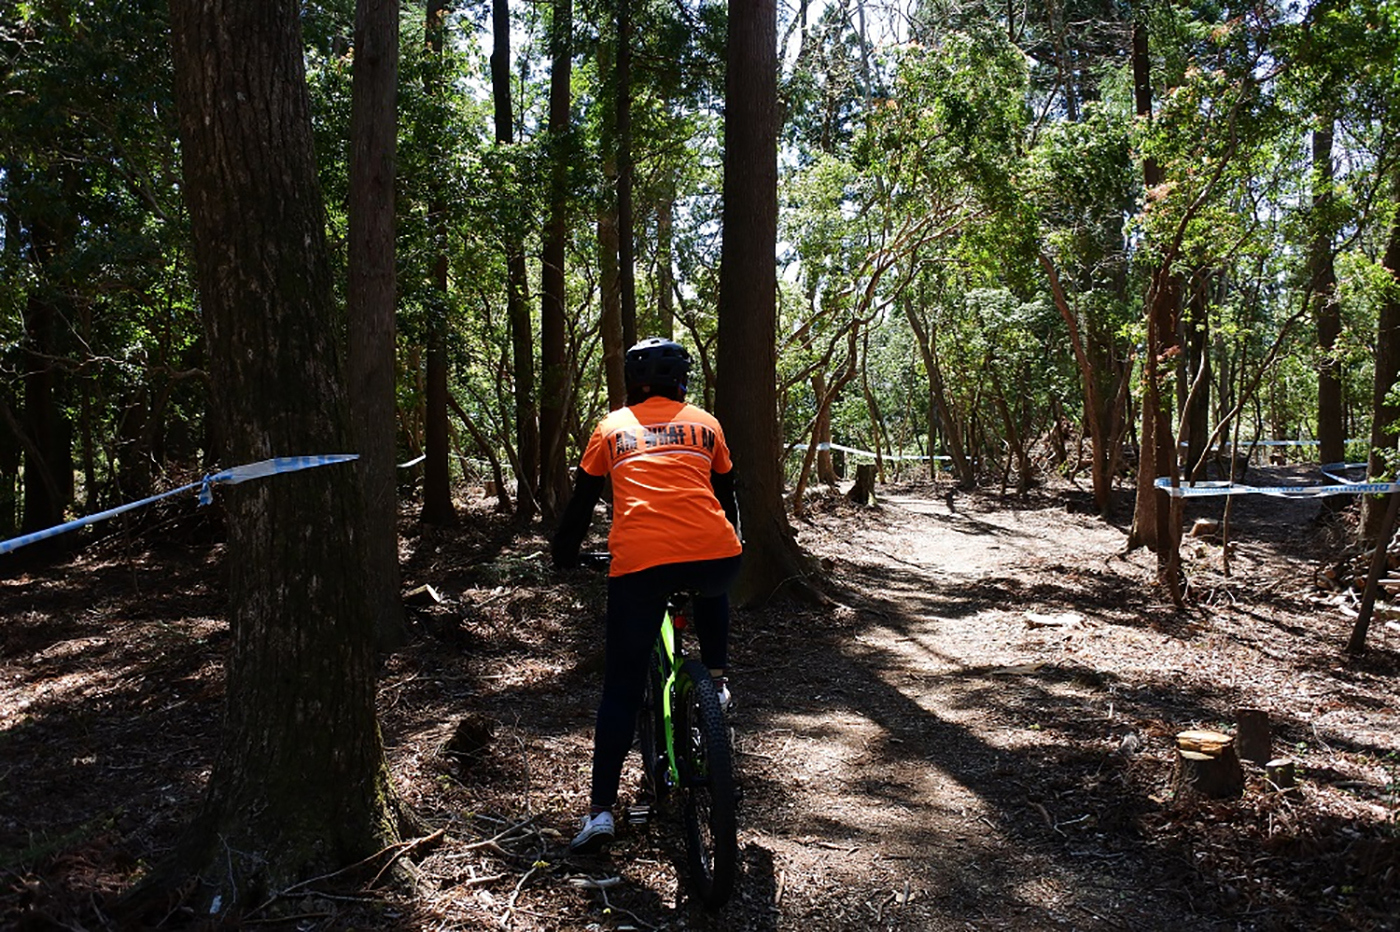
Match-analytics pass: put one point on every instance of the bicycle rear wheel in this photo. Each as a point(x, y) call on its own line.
point(708, 795)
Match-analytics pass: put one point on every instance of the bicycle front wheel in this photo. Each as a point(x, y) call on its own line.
point(709, 801)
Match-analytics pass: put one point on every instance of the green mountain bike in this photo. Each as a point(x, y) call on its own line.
point(688, 758)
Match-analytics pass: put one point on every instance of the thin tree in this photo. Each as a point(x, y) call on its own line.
point(438, 508)
point(746, 394)
point(300, 786)
point(527, 430)
point(370, 300)
point(1153, 526)
point(1385, 412)
point(1322, 274)
point(555, 379)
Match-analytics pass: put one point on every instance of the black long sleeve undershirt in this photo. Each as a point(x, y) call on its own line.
point(578, 513)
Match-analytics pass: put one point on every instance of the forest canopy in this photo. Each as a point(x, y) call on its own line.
point(1004, 234)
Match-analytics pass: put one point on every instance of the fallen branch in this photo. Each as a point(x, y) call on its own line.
point(397, 849)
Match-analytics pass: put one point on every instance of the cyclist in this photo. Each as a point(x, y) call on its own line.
point(675, 520)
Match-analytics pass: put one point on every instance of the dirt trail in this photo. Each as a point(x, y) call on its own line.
point(977, 734)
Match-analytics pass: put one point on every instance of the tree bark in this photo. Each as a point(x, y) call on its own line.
point(527, 430)
point(1331, 430)
point(1153, 524)
point(1384, 413)
point(370, 299)
point(626, 244)
point(300, 786)
point(613, 333)
point(746, 396)
point(555, 375)
point(438, 508)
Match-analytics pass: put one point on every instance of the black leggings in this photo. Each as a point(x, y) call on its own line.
point(636, 604)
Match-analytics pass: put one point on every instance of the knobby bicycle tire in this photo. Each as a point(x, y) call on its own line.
point(708, 795)
point(651, 733)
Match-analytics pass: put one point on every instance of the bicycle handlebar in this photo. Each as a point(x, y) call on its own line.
point(595, 559)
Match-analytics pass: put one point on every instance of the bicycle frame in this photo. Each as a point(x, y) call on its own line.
point(666, 646)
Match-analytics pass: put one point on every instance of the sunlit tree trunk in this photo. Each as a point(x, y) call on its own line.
point(746, 396)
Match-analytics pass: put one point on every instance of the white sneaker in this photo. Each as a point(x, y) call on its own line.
point(597, 834)
point(726, 700)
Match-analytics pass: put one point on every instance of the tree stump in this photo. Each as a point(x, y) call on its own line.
point(1280, 773)
point(863, 492)
point(1252, 738)
point(1206, 764)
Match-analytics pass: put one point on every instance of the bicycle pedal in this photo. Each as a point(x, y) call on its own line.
point(639, 815)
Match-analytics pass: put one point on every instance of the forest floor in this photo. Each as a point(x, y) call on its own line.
point(977, 732)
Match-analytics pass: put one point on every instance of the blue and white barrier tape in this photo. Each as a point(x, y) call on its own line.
point(856, 452)
point(206, 492)
point(1210, 489)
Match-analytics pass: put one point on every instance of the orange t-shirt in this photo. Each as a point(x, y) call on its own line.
point(660, 454)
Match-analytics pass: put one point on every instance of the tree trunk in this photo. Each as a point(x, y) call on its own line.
point(1153, 524)
point(48, 457)
point(626, 243)
point(1193, 385)
point(746, 396)
point(1384, 414)
point(438, 508)
point(609, 277)
point(665, 257)
point(527, 430)
point(1331, 429)
point(826, 469)
point(370, 300)
point(926, 337)
point(300, 786)
point(555, 371)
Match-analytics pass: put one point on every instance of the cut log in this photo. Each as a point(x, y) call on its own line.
point(1252, 738)
point(863, 492)
point(1207, 765)
point(1206, 529)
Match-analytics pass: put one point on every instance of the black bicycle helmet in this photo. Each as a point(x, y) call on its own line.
point(662, 364)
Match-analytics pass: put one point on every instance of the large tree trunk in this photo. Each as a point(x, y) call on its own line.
point(300, 786)
point(438, 508)
point(1384, 414)
point(746, 396)
point(555, 370)
point(370, 300)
